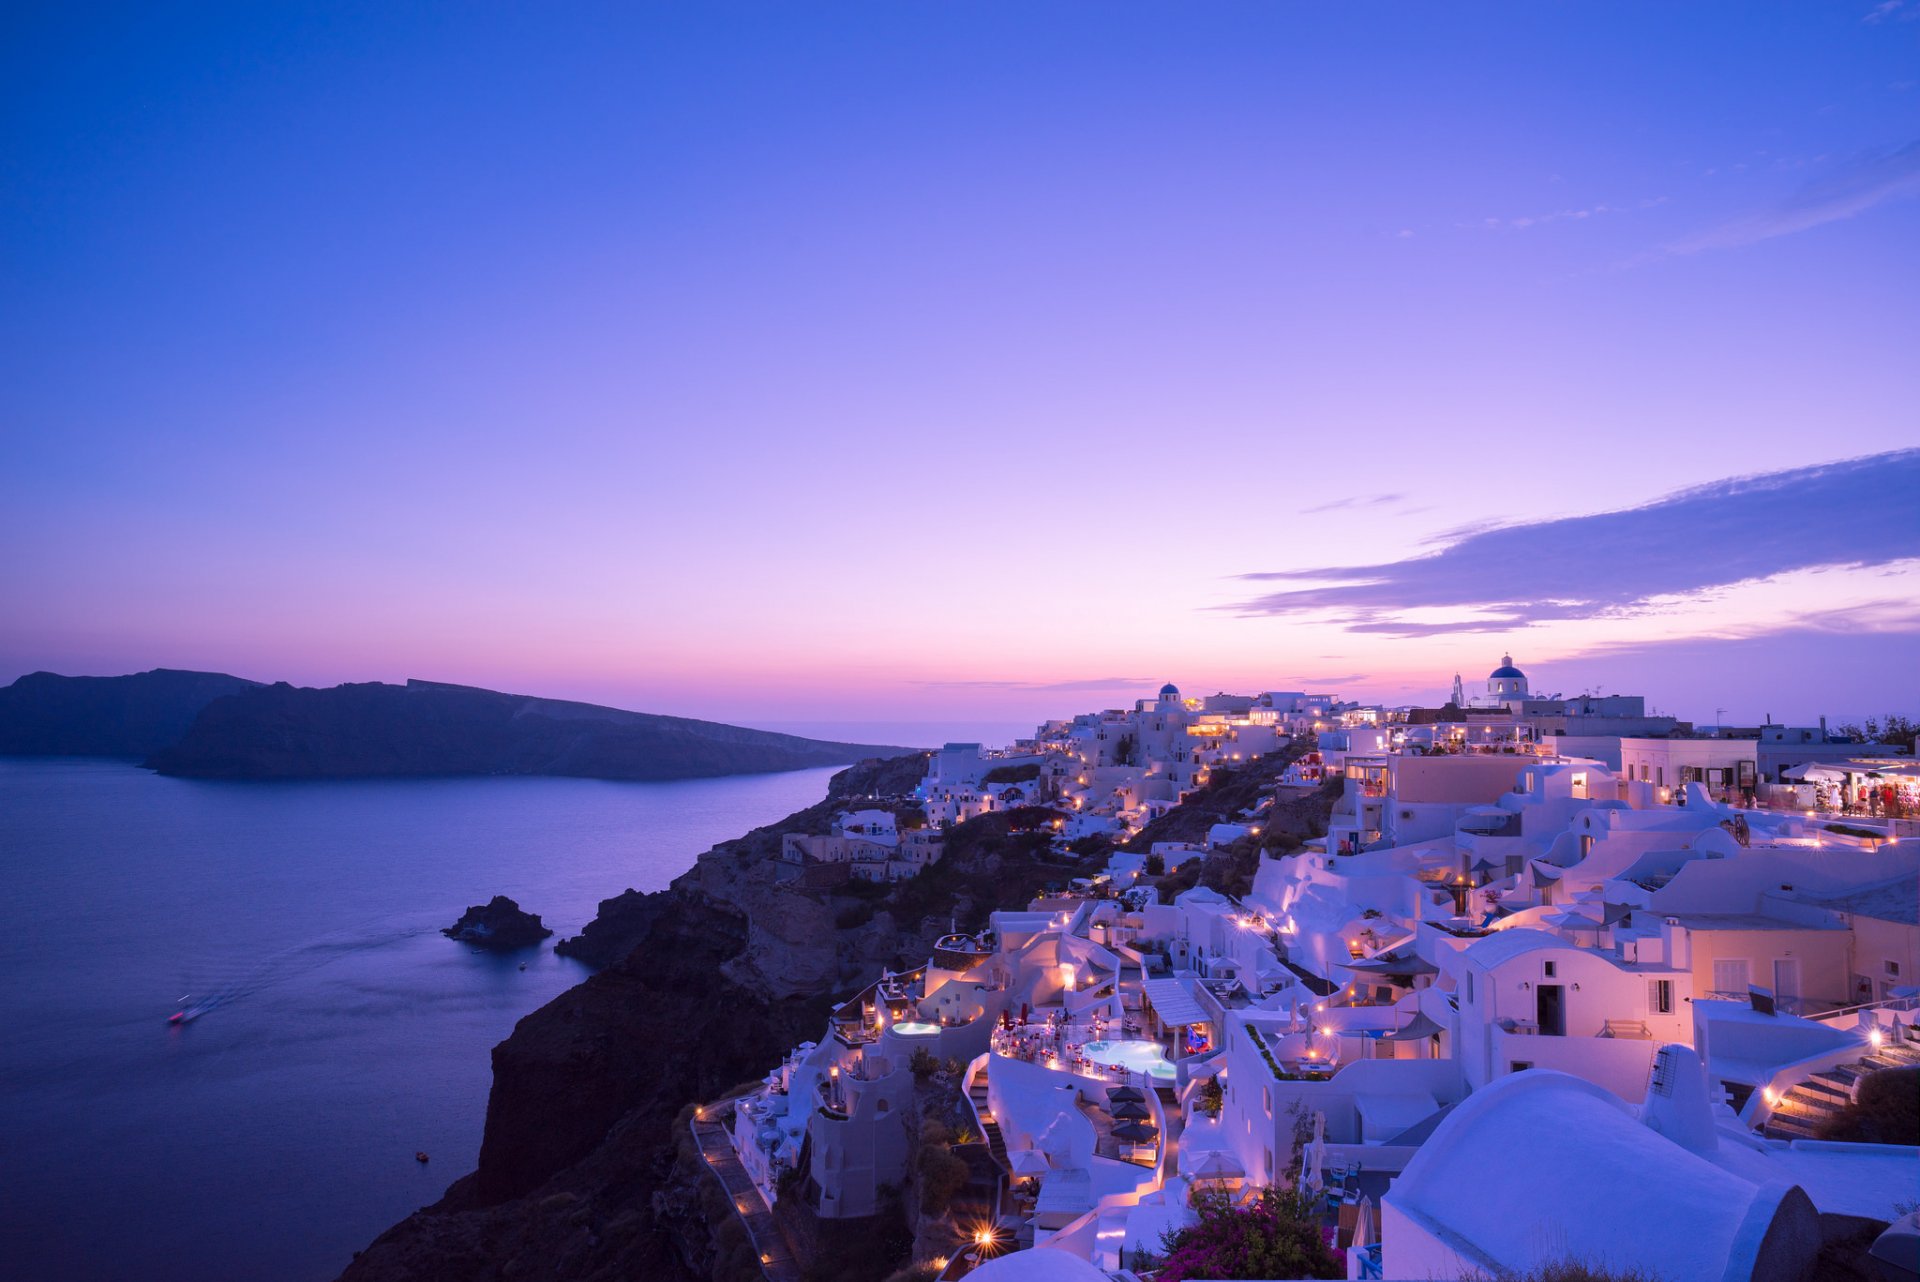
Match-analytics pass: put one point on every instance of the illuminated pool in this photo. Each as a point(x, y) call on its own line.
point(1136, 1057)
point(916, 1028)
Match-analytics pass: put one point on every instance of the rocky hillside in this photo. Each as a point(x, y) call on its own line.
point(426, 728)
point(46, 714)
point(706, 985)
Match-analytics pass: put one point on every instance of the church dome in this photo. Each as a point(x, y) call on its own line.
point(1507, 670)
point(1169, 688)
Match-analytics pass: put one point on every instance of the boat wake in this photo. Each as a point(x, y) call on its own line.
point(212, 989)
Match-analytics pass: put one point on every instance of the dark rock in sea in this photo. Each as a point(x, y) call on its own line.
point(45, 714)
point(424, 728)
point(498, 924)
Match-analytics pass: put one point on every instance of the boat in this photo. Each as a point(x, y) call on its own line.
point(420, 1158)
point(190, 1010)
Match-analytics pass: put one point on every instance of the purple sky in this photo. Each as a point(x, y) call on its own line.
point(985, 361)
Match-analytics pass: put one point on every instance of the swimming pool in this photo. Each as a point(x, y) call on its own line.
point(916, 1028)
point(1135, 1056)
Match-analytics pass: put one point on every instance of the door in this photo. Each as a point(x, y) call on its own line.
point(1552, 1010)
point(1786, 984)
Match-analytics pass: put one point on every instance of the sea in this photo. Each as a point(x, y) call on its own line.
point(276, 1134)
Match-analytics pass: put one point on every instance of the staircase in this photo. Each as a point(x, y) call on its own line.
point(989, 1129)
point(1803, 1110)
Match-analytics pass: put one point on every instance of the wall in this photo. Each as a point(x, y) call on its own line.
point(1616, 1064)
point(1826, 974)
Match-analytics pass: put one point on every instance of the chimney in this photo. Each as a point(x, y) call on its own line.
point(1823, 730)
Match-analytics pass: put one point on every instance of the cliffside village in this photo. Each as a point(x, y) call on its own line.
point(1562, 980)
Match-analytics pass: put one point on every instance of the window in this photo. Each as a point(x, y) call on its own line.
point(1892, 969)
point(1660, 996)
point(1469, 988)
point(1551, 966)
point(1520, 1065)
point(1730, 976)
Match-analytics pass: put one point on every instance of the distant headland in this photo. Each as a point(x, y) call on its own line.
point(213, 726)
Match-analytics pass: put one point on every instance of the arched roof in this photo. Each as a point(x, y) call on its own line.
point(1547, 1139)
point(1169, 688)
point(1506, 669)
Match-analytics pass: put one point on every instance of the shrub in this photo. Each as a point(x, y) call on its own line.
point(941, 1176)
point(1155, 866)
point(1276, 1236)
point(1211, 1098)
point(1885, 1110)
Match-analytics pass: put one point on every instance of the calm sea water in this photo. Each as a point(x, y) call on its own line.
point(276, 1134)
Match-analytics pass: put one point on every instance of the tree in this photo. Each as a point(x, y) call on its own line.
point(1896, 730)
point(1276, 1236)
point(1212, 1099)
point(1155, 866)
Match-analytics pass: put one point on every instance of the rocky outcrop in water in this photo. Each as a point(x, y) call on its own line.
point(498, 924)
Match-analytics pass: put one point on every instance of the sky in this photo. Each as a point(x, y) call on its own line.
point(781, 363)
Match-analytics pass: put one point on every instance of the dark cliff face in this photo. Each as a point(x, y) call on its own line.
point(130, 716)
point(580, 1134)
point(423, 728)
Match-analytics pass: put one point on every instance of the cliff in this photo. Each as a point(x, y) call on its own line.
point(426, 728)
point(706, 986)
point(131, 716)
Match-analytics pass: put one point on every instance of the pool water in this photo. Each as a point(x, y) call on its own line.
point(916, 1028)
point(1136, 1056)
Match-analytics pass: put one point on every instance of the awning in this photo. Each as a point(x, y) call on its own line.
point(1417, 1029)
point(1547, 874)
point(1172, 1002)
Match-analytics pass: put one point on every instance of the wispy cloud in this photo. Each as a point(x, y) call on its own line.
point(1888, 10)
point(1846, 193)
point(1357, 501)
point(1574, 214)
point(1091, 683)
point(1347, 680)
point(1853, 513)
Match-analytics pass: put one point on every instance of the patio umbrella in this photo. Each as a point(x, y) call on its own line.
point(1028, 1161)
point(1121, 1094)
point(1135, 1132)
point(1216, 1164)
point(1312, 1177)
point(1363, 1223)
point(1132, 1109)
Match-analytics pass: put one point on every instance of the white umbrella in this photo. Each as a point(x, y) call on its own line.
point(1363, 1223)
point(1216, 1164)
point(1316, 1157)
point(1028, 1161)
